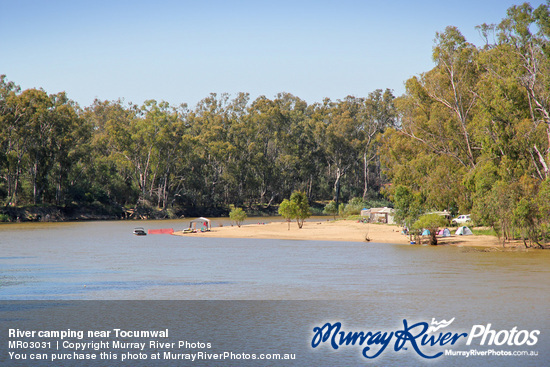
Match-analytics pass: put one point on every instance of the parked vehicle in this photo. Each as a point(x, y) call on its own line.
point(461, 219)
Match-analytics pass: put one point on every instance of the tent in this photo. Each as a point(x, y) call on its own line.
point(200, 224)
point(463, 231)
point(445, 233)
point(425, 233)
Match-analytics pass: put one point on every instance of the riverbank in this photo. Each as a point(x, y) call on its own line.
point(98, 211)
point(341, 230)
point(77, 213)
point(53, 213)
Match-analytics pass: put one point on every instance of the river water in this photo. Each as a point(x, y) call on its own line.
point(378, 284)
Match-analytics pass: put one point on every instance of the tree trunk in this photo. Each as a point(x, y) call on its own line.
point(433, 238)
point(35, 191)
point(337, 186)
point(365, 175)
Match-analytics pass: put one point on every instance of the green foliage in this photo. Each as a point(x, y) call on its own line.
point(515, 209)
point(287, 210)
point(408, 205)
point(300, 205)
point(190, 160)
point(331, 209)
point(316, 210)
point(295, 208)
point(474, 129)
point(342, 210)
point(484, 231)
point(238, 215)
point(354, 207)
point(431, 222)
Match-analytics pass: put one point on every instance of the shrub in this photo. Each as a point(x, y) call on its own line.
point(331, 209)
point(431, 222)
point(238, 215)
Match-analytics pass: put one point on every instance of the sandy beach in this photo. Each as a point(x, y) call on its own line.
point(340, 230)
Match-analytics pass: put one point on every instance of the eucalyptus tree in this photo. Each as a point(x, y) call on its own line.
point(238, 215)
point(474, 131)
point(301, 204)
point(295, 208)
point(109, 171)
point(438, 114)
point(442, 102)
point(51, 127)
point(348, 133)
point(287, 211)
point(41, 135)
point(256, 135)
point(210, 124)
point(378, 114)
point(515, 117)
point(70, 144)
point(40, 127)
point(166, 146)
point(132, 141)
point(408, 206)
point(13, 141)
point(300, 157)
point(518, 64)
point(337, 131)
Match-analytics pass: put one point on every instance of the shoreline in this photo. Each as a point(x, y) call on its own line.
point(340, 230)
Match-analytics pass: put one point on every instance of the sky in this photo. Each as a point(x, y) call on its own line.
point(181, 51)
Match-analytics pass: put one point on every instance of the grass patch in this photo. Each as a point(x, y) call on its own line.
point(484, 231)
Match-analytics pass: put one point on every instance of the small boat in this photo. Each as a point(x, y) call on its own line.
point(139, 231)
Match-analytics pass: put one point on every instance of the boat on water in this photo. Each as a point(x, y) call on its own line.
point(139, 231)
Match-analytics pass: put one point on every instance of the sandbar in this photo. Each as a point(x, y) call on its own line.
point(336, 230)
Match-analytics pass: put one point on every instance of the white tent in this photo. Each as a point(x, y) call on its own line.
point(463, 231)
point(445, 233)
point(200, 224)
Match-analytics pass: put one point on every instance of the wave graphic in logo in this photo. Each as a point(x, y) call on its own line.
point(439, 325)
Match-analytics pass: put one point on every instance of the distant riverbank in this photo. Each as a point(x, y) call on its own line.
point(98, 211)
point(52, 213)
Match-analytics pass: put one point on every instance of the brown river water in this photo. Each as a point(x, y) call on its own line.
point(365, 283)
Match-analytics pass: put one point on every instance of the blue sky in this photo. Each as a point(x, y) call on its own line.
point(180, 51)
